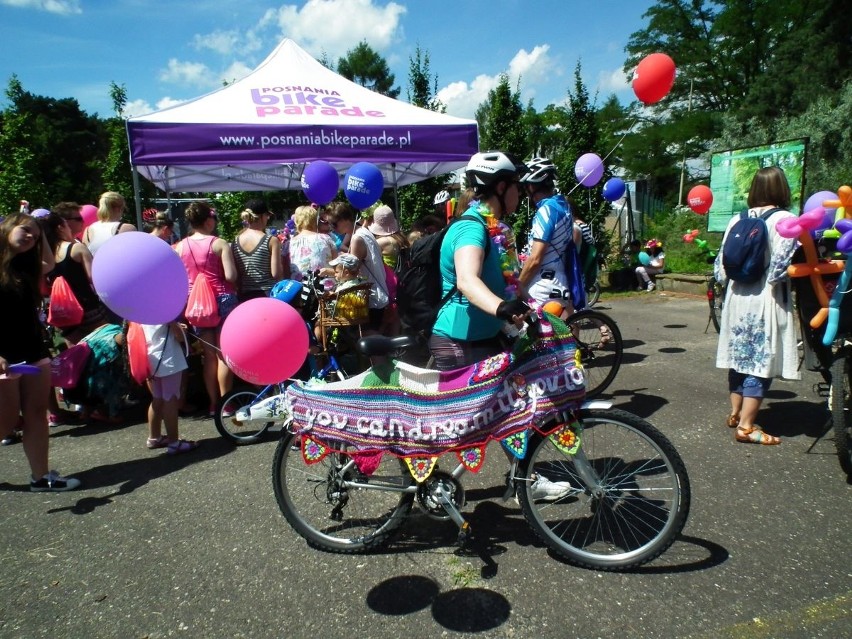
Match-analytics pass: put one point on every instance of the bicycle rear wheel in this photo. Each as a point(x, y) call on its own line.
point(593, 294)
point(628, 497)
point(840, 415)
point(231, 428)
point(333, 505)
point(601, 348)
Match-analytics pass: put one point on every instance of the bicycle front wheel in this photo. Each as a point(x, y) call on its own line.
point(233, 429)
point(333, 505)
point(618, 503)
point(840, 418)
point(601, 348)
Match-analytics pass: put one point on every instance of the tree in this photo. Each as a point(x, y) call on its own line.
point(500, 120)
point(17, 158)
point(501, 128)
point(580, 136)
point(116, 165)
point(367, 68)
point(54, 145)
point(415, 200)
point(750, 59)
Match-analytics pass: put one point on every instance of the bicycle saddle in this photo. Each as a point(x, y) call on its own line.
point(373, 345)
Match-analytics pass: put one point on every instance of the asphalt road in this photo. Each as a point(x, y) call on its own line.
point(194, 546)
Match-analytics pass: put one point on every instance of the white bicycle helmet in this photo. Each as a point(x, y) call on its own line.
point(540, 170)
point(441, 197)
point(490, 167)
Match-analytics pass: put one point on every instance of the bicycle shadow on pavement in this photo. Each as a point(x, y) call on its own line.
point(637, 402)
point(686, 554)
point(135, 473)
point(629, 356)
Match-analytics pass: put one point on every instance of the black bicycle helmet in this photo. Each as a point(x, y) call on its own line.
point(490, 167)
point(540, 170)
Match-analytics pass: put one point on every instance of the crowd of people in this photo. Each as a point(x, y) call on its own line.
point(486, 286)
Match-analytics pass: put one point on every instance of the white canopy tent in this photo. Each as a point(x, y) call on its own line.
point(260, 132)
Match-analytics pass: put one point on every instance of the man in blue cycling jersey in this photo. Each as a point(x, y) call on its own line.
point(543, 274)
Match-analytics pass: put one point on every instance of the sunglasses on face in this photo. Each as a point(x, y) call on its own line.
point(74, 219)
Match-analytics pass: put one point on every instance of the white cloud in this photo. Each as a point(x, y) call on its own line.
point(223, 42)
point(191, 73)
point(533, 68)
point(61, 7)
point(237, 71)
point(142, 107)
point(612, 81)
point(336, 26)
point(228, 43)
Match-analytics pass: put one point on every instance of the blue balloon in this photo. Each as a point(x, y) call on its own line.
point(320, 182)
point(363, 185)
point(644, 258)
point(613, 189)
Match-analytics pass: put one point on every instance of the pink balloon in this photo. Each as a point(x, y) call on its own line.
point(264, 340)
point(789, 227)
point(140, 278)
point(89, 213)
point(589, 169)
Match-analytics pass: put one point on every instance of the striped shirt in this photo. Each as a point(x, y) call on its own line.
point(254, 267)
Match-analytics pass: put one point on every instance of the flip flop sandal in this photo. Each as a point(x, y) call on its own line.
point(756, 436)
point(733, 421)
point(181, 446)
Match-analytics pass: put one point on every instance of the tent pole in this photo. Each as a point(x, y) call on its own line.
point(395, 192)
point(137, 198)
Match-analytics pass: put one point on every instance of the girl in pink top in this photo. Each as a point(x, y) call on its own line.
point(203, 252)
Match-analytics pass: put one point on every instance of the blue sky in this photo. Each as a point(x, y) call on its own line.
point(169, 51)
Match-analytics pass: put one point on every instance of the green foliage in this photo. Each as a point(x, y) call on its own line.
point(681, 256)
point(116, 166)
point(52, 147)
point(367, 68)
point(228, 207)
point(500, 120)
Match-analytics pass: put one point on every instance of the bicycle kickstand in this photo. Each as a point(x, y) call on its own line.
point(466, 537)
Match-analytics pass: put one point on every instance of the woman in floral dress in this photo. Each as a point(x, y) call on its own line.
point(757, 339)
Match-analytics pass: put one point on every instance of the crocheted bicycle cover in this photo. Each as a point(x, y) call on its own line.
point(420, 413)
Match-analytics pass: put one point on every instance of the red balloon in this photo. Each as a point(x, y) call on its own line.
point(700, 198)
point(653, 78)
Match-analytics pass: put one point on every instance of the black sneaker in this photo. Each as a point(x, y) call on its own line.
point(12, 438)
point(53, 482)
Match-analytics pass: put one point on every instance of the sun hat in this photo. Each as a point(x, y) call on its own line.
point(384, 222)
point(347, 260)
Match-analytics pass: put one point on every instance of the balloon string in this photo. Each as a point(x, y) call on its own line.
point(617, 144)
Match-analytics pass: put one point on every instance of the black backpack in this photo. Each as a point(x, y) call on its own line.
point(744, 251)
point(419, 284)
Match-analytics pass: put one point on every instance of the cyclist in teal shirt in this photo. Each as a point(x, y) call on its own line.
point(468, 325)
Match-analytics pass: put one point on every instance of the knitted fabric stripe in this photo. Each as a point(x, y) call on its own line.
point(536, 386)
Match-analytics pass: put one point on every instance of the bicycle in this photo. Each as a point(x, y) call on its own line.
point(715, 297)
point(329, 369)
point(601, 487)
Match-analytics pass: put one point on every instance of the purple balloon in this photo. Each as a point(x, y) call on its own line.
point(613, 189)
point(363, 185)
point(589, 169)
point(844, 244)
point(816, 200)
point(140, 278)
point(320, 182)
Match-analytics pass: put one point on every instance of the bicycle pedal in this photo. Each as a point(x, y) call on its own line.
point(822, 389)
